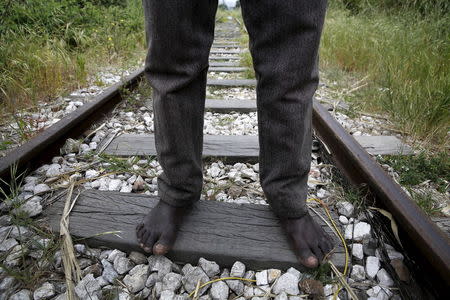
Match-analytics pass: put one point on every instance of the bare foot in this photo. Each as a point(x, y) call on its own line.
point(310, 241)
point(157, 232)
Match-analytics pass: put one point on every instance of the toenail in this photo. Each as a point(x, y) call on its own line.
point(160, 249)
point(312, 261)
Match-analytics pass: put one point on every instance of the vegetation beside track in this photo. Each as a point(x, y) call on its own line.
point(402, 51)
point(426, 177)
point(49, 47)
point(394, 57)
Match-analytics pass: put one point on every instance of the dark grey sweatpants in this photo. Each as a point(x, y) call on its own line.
point(284, 42)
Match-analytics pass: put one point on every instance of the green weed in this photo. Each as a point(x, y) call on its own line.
point(141, 96)
point(247, 61)
point(117, 164)
point(433, 169)
point(322, 273)
point(225, 120)
point(4, 145)
point(10, 190)
point(426, 201)
point(416, 169)
point(356, 195)
point(22, 127)
point(31, 271)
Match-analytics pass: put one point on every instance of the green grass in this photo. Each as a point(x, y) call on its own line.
point(405, 52)
point(434, 169)
point(353, 194)
point(30, 272)
point(50, 47)
point(141, 96)
point(4, 145)
point(414, 170)
point(246, 61)
point(426, 201)
point(322, 273)
point(116, 164)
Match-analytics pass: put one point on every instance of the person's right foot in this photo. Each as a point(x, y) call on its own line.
point(157, 232)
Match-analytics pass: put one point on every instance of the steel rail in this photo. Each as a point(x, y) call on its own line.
point(46, 144)
point(360, 168)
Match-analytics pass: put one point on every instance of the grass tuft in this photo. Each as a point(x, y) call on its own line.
point(420, 172)
point(31, 271)
point(414, 170)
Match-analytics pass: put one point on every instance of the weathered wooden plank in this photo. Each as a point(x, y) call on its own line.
point(231, 82)
point(227, 69)
point(231, 35)
point(383, 145)
point(223, 51)
point(223, 64)
point(225, 106)
point(233, 147)
point(219, 231)
point(242, 148)
point(213, 57)
point(225, 45)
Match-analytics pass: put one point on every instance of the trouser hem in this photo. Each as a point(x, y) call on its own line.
point(174, 201)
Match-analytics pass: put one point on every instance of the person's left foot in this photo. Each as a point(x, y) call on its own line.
point(311, 243)
point(157, 232)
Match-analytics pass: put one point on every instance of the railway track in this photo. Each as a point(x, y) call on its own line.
point(423, 241)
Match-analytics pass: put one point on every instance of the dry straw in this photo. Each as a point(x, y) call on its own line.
point(71, 268)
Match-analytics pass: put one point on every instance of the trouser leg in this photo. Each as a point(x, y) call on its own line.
point(284, 43)
point(179, 34)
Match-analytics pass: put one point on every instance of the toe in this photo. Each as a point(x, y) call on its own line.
point(310, 262)
point(160, 249)
point(164, 244)
point(307, 258)
point(325, 246)
point(145, 234)
point(318, 253)
point(139, 231)
point(149, 242)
